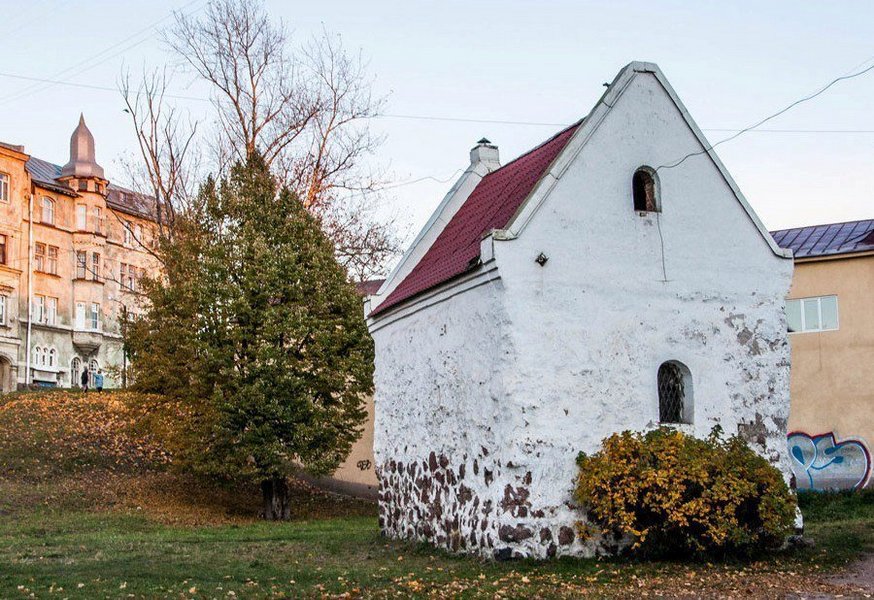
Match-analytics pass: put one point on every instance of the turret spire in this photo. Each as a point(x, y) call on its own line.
point(82, 161)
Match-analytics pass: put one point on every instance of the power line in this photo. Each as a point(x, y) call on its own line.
point(37, 87)
point(769, 117)
point(104, 88)
point(88, 86)
point(468, 120)
point(420, 179)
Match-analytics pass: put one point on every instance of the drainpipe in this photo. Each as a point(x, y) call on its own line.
point(29, 285)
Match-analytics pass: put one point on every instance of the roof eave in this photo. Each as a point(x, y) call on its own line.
point(54, 187)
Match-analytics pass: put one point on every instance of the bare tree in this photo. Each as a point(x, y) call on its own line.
point(164, 180)
point(304, 109)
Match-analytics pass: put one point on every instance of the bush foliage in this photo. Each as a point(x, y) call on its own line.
point(669, 494)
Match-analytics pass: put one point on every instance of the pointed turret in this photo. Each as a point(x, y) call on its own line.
point(82, 162)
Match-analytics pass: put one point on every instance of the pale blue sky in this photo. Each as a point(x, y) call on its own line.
point(731, 63)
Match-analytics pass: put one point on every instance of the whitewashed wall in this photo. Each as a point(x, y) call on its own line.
point(522, 375)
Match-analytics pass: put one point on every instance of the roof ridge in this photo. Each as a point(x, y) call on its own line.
point(538, 146)
point(775, 231)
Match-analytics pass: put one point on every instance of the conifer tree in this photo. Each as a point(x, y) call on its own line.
point(257, 332)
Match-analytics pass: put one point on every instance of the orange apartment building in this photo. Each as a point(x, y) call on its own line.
point(73, 248)
point(829, 314)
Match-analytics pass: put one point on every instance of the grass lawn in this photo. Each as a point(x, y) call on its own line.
point(86, 512)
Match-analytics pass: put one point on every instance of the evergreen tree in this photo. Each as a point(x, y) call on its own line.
point(257, 332)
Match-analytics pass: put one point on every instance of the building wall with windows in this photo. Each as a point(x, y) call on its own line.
point(829, 313)
point(73, 248)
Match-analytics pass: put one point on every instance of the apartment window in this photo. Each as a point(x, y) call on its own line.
point(93, 367)
point(138, 233)
point(98, 220)
point(52, 262)
point(3, 255)
point(51, 311)
point(39, 254)
point(48, 210)
point(3, 301)
point(52, 357)
point(4, 187)
point(75, 371)
point(81, 217)
point(130, 277)
point(37, 356)
point(128, 232)
point(95, 266)
point(81, 264)
point(80, 315)
point(95, 316)
point(39, 307)
point(812, 314)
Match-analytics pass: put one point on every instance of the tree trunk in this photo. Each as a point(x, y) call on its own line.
point(274, 492)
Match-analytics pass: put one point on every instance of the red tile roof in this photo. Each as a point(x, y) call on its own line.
point(490, 206)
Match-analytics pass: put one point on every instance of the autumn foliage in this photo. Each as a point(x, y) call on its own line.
point(664, 493)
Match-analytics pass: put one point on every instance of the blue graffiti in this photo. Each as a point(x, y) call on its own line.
point(820, 462)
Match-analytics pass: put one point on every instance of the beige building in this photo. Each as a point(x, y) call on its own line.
point(73, 248)
point(830, 312)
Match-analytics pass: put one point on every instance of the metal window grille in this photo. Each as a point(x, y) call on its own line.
point(672, 392)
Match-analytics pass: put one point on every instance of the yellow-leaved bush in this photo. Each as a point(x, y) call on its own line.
point(664, 493)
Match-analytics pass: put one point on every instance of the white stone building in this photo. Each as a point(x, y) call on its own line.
point(582, 289)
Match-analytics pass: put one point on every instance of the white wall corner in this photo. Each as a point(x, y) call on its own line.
point(487, 248)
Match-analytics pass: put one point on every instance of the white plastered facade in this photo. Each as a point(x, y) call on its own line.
point(488, 386)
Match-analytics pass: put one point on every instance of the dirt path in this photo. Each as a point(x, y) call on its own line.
point(859, 575)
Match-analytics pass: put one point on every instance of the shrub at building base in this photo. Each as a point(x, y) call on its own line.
point(664, 493)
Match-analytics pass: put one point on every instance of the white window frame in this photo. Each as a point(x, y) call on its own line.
point(94, 317)
point(81, 264)
point(818, 299)
point(51, 261)
point(93, 367)
point(80, 315)
point(128, 233)
point(81, 217)
point(98, 220)
point(4, 187)
point(48, 210)
point(39, 308)
point(51, 310)
point(4, 303)
point(39, 257)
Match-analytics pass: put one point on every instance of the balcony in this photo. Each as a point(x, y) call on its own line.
point(87, 341)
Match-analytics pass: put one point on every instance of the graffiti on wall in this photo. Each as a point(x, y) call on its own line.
point(821, 462)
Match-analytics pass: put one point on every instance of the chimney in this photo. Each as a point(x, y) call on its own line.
point(486, 153)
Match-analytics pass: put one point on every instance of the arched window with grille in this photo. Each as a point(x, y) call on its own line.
point(675, 393)
point(75, 371)
point(92, 371)
point(644, 189)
